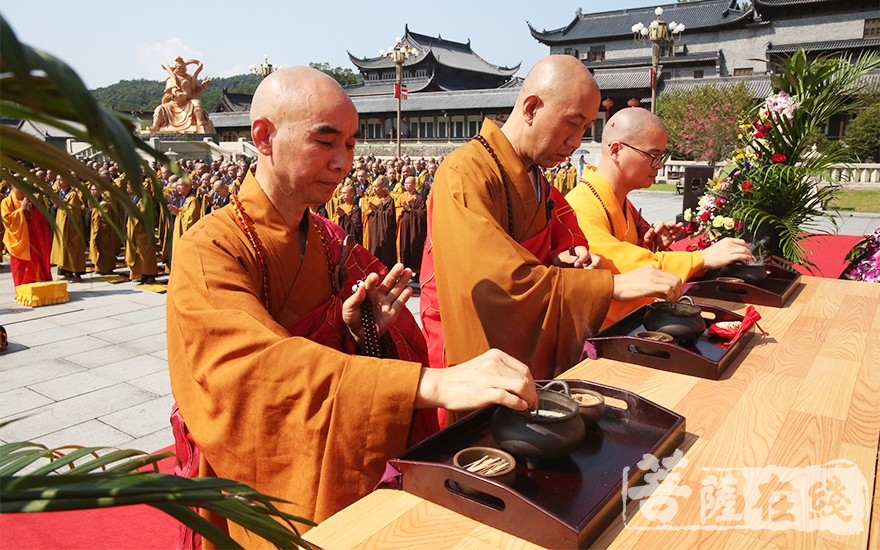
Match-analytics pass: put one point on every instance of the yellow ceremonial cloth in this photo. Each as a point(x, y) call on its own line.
point(42, 294)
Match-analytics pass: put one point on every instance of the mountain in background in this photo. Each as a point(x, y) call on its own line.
point(144, 95)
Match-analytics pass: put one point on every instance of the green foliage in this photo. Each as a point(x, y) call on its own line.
point(702, 122)
point(34, 478)
point(345, 77)
point(863, 133)
point(777, 186)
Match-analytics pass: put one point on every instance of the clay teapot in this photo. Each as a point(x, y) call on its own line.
point(554, 432)
point(751, 274)
point(681, 320)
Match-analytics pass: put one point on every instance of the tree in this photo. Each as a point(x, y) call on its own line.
point(863, 133)
point(703, 122)
point(345, 77)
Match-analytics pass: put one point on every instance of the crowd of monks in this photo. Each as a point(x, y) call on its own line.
point(381, 204)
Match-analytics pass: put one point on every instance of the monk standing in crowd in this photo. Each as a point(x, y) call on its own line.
point(68, 245)
point(634, 144)
point(412, 225)
point(381, 224)
point(272, 364)
point(504, 264)
point(27, 239)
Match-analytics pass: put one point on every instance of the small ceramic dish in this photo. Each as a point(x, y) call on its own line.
point(591, 405)
point(486, 462)
point(653, 336)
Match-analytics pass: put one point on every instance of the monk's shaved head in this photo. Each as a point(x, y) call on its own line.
point(293, 91)
point(628, 124)
point(558, 102)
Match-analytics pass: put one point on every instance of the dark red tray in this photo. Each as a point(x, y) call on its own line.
point(706, 357)
point(565, 503)
point(775, 291)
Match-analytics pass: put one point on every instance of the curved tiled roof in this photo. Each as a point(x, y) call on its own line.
point(827, 46)
point(758, 86)
point(645, 61)
point(501, 98)
point(446, 52)
point(615, 24)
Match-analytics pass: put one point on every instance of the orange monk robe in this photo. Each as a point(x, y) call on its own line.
point(69, 245)
point(491, 290)
point(28, 240)
point(621, 249)
point(290, 417)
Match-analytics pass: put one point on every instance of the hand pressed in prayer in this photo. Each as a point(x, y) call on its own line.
point(387, 296)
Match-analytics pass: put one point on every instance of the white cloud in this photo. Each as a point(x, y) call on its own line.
point(152, 56)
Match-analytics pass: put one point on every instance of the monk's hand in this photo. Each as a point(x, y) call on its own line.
point(491, 377)
point(387, 297)
point(726, 251)
point(575, 256)
point(647, 281)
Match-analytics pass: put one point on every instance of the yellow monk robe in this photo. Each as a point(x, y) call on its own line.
point(69, 245)
point(290, 417)
point(187, 216)
point(621, 248)
point(491, 290)
point(140, 248)
point(103, 239)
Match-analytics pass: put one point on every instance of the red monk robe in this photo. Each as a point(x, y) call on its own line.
point(28, 240)
point(496, 288)
point(298, 417)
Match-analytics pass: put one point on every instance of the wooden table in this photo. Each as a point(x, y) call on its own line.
point(802, 397)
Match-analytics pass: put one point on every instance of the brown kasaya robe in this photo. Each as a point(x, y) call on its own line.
point(381, 233)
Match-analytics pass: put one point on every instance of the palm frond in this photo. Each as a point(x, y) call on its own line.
point(34, 478)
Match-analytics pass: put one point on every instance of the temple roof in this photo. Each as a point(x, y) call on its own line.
point(827, 46)
point(645, 61)
point(704, 15)
point(446, 52)
point(758, 85)
point(498, 98)
point(233, 102)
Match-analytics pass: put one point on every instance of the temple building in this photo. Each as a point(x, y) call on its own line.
point(724, 41)
point(450, 89)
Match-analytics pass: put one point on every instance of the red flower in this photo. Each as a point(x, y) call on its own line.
point(737, 225)
point(746, 185)
point(778, 157)
point(719, 202)
point(704, 216)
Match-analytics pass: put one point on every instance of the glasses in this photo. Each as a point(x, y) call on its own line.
point(657, 159)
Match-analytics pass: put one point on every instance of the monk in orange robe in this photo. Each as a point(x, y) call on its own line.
point(502, 268)
point(272, 364)
point(634, 148)
point(27, 238)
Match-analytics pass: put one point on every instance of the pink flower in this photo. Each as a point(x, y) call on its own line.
point(778, 157)
point(746, 185)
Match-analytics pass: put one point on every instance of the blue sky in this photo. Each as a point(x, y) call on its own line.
point(110, 40)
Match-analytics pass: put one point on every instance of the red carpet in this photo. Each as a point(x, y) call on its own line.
point(138, 527)
point(828, 252)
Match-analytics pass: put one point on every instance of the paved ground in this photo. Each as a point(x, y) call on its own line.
point(93, 371)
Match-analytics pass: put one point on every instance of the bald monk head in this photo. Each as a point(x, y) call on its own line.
point(558, 102)
point(304, 127)
point(634, 149)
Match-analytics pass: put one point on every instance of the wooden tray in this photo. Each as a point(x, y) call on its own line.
point(565, 503)
point(775, 291)
point(706, 357)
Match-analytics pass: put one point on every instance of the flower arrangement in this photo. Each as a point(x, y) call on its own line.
point(864, 260)
point(775, 189)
